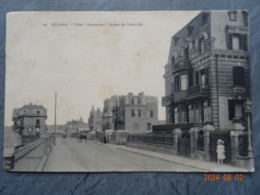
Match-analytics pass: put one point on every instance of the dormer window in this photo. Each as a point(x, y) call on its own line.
point(190, 29)
point(232, 15)
point(176, 41)
point(245, 17)
point(204, 19)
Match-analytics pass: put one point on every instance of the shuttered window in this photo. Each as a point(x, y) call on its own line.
point(238, 76)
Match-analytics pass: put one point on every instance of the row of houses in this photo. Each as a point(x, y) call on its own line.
point(126, 112)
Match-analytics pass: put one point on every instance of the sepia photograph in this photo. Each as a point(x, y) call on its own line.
point(128, 91)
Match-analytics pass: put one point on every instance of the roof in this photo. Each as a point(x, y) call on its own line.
point(33, 106)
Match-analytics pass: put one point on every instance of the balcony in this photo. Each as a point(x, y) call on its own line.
point(176, 97)
point(198, 91)
point(180, 96)
point(181, 64)
point(167, 100)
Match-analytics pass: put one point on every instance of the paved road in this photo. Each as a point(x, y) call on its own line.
point(71, 156)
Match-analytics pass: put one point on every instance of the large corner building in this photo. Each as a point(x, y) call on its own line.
point(207, 77)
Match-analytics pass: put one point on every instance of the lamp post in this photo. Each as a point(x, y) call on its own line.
point(248, 111)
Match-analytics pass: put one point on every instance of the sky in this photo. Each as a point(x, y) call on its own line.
point(86, 57)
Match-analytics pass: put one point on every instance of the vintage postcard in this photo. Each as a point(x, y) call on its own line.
point(128, 91)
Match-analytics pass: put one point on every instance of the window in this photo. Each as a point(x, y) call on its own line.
point(173, 60)
point(176, 115)
point(38, 112)
point(189, 29)
point(207, 111)
point(204, 77)
point(191, 113)
point(149, 126)
point(185, 112)
point(204, 18)
point(245, 17)
point(237, 42)
point(191, 78)
point(149, 113)
point(136, 113)
point(186, 53)
point(201, 45)
point(197, 78)
point(176, 84)
point(232, 15)
point(37, 123)
point(196, 113)
point(176, 41)
point(235, 109)
point(238, 76)
point(133, 113)
point(184, 82)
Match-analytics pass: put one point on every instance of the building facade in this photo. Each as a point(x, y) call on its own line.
point(107, 116)
point(30, 120)
point(207, 77)
point(72, 127)
point(136, 112)
point(95, 120)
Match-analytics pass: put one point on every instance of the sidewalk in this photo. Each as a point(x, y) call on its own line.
point(203, 165)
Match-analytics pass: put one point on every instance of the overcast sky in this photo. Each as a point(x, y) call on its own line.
point(86, 64)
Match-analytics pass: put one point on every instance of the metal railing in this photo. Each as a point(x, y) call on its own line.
point(45, 144)
point(151, 138)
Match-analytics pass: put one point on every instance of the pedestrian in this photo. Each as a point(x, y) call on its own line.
point(220, 151)
point(104, 139)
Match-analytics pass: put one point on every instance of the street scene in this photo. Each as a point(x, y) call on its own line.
point(190, 112)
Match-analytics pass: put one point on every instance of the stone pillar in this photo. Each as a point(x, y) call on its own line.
point(176, 135)
point(238, 129)
point(193, 139)
point(207, 129)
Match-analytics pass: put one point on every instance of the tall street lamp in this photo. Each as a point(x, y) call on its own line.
point(248, 111)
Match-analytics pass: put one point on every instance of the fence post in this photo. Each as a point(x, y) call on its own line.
point(238, 129)
point(176, 135)
point(193, 138)
point(207, 128)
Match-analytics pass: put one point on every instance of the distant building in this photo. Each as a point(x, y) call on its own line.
point(30, 120)
point(95, 120)
point(107, 117)
point(72, 127)
point(207, 77)
point(136, 112)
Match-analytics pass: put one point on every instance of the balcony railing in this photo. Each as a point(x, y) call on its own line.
point(180, 96)
point(175, 97)
point(168, 128)
point(180, 64)
point(167, 100)
point(198, 90)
